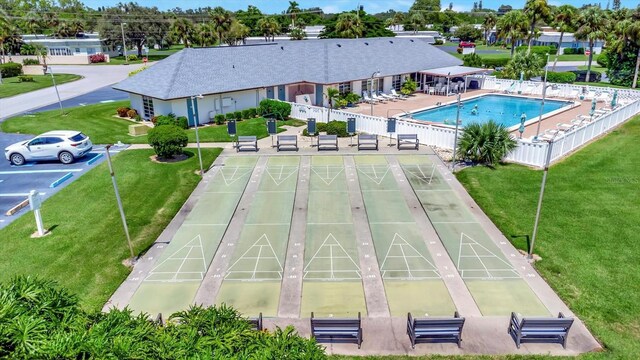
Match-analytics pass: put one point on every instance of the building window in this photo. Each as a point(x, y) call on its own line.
point(380, 83)
point(396, 82)
point(365, 86)
point(147, 105)
point(60, 52)
point(344, 88)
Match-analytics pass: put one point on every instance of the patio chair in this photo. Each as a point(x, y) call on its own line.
point(573, 94)
point(590, 95)
point(376, 97)
point(528, 89)
point(603, 97)
point(399, 96)
point(553, 92)
point(511, 89)
point(388, 97)
point(367, 98)
point(564, 127)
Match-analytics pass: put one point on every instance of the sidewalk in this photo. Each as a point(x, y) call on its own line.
point(94, 77)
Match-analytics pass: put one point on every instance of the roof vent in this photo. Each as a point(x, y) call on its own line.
point(411, 40)
point(338, 45)
point(233, 66)
point(366, 43)
point(281, 47)
point(390, 41)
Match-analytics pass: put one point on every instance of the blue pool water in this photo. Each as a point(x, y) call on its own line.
point(502, 109)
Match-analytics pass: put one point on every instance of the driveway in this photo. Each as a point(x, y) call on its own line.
point(94, 77)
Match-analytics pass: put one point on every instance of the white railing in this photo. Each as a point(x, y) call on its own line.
point(527, 152)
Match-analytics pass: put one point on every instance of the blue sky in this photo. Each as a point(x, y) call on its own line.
point(277, 6)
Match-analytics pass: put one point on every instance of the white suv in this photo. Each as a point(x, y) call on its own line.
point(65, 146)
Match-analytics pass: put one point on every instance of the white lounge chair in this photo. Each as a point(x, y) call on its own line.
point(528, 89)
point(511, 89)
point(388, 97)
point(564, 127)
point(399, 96)
point(590, 95)
point(376, 97)
point(368, 99)
point(603, 97)
point(573, 94)
point(553, 92)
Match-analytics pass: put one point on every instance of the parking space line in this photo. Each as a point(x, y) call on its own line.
point(38, 171)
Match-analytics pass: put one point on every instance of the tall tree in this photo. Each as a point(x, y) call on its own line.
point(626, 35)
point(489, 22)
point(564, 18)
point(238, 33)
point(349, 25)
point(398, 18)
point(592, 25)
point(184, 30)
point(513, 27)
point(417, 21)
point(222, 20)
point(425, 5)
point(6, 30)
point(293, 10)
point(269, 27)
point(205, 34)
point(616, 4)
point(535, 10)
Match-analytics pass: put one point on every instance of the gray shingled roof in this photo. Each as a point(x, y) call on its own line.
point(224, 69)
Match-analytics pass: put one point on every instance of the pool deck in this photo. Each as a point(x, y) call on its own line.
point(421, 101)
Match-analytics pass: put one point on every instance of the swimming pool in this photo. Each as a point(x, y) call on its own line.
point(503, 109)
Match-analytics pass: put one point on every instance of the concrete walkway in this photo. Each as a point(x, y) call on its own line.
point(94, 77)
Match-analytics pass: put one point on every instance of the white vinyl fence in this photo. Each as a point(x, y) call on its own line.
point(527, 152)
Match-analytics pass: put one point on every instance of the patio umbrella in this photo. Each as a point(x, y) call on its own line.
point(593, 107)
point(614, 99)
point(523, 119)
point(520, 81)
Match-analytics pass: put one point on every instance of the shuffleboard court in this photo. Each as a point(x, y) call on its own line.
point(253, 278)
point(175, 277)
point(492, 280)
point(332, 280)
point(411, 281)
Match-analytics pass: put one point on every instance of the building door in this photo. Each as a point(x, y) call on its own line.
point(270, 93)
point(319, 94)
point(281, 94)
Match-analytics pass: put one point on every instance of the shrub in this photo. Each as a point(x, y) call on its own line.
point(352, 98)
point(408, 87)
point(468, 32)
point(530, 65)
point(30, 62)
point(486, 143)
point(132, 57)
point(602, 60)
point(459, 50)
point(122, 111)
point(25, 78)
point(137, 71)
point(561, 77)
point(167, 140)
point(97, 58)
point(10, 69)
point(237, 115)
point(154, 119)
point(253, 112)
point(540, 50)
point(581, 75)
point(138, 118)
point(182, 122)
point(337, 128)
point(280, 109)
point(219, 118)
point(171, 119)
point(246, 114)
point(572, 51)
point(472, 60)
point(494, 63)
point(320, 127)
point(132, 113)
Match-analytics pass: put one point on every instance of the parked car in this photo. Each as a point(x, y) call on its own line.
point(66, 146)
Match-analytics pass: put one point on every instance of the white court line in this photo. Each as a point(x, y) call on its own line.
point(454, 222)
point(38, 171)
point(330, 223)
point(17, 194)
point(391, 222)
point(266, 224)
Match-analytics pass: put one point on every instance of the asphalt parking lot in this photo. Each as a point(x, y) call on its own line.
point(45, 177)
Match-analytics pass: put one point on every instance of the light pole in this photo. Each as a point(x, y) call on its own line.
point(455, 138)
point(375, 73)
point(124, 219)
point(55, 86)
point(544, 95)
point(542, 186)
point(195, 98)
point(124, 44)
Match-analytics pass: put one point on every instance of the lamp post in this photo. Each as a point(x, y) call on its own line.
point(544, 95)
point(49, 69)
point(376, 73)
point(124, 44)
point(455, 138)
point(195, 98)
point(124, 219)
point(542, 187)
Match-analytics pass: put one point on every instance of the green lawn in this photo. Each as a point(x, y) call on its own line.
point(11, 86)
point(86, 249)
point(588, 230)
point(99, 123)
point(119, 60)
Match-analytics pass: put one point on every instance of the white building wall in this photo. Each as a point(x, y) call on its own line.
point(386, 85)
point(136, 103)
point(161, 107)
point(356, 87)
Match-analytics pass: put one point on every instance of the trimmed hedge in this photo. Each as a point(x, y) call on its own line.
point(561, 77)
point(572, 51)
point(25, 78)
point(10, 70)
point(581, 75)
point(540, 50)
point(30, 62)
point(219, 119)
point(167, 140)
point(97, 58)
point(280, 109)
point(171, 119)
point(494, 63)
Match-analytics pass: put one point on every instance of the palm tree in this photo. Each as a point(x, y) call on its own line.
point(293, 9)
point(527, 65)
point(486, 143)
point(64, 30)
point(627, 32)
point(416, 20)
point(206, 36)
point(563, 20)
point(513, 26)
point(535, 10)
point(349, 25)
point(297, 34)
point(332, 95)
point(183, 30)
point(237, 33)
point(398, 18)
point(32, 23)
point(269, 27)
point(222, 20)
point(488, 24)
point(6, 30)
point(592, 25)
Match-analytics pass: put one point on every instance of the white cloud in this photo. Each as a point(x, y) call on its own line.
point(330, 9)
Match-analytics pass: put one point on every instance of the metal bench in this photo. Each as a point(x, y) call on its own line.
point(367, 142)
point(337, 330)
point(540, 330)
point(410, 140)
point(328, 142)
point(256, 323)
point(435, 330)
point(247, 143)
point(287, 142)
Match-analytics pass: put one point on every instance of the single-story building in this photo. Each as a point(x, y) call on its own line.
point(73, 50)
point(547, 38)
point(233, 78)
